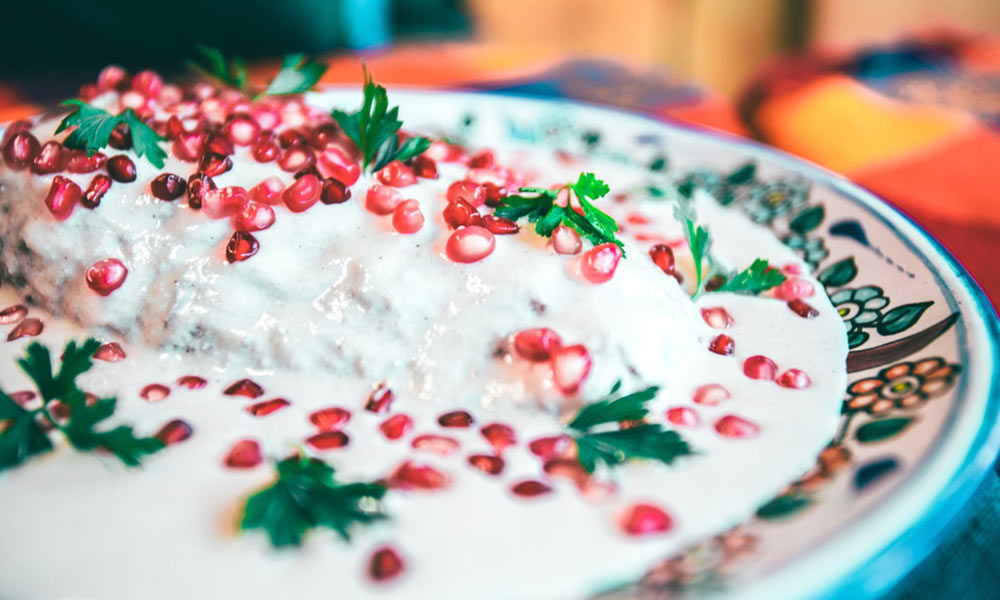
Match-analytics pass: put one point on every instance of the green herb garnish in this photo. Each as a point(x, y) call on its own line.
point(616, 446)
point(305, 496)
point(93, 127)
point(542, 209)
point(298, 74)
point(212, 62)
point(26, 432)
point(698, 242)
point(756, 278)
point(374, 127)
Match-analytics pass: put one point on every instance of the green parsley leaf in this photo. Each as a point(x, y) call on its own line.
point(297, 75)
point(212, 62)
point(627, 408)
point(93, 129)
point(22, 437)
point(305, 496)
point(756, 278)
point(145, 141)
point(698, 242)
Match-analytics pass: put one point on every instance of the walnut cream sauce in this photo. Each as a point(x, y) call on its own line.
point(325, 305)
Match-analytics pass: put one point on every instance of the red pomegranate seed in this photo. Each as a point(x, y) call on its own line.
point(296, 158)
point(168, 186)
point(13, 314)
point(77, 161)
point(397, 174)
point(197, 186)
point(722, 344)
point(247, 388)
point(710, 394)
point(396, 426)
point(23, 397)
point(736, 427)
point(760, 367)
point(500, 225)
point(381, 199)
point(29, 327)
point(530, 489)
point(494, 194)
point(225, 202)
point(106, 275)
point(335, 192)
point(192, 382)
point(120, 137)
point(438, 444)
point(253, 216)
point(321, 136)
point(570, 366)
point(470, 244)
point(262, 409)
point(50, 159)
point(216, 144)
point(645, 519)
point(568, 468)
point(174, 432)
point(551, 447)
point(663, 257)
point(717, 317)
point(147, 83)
point(491, 465)
point(385, 564)
point(333, 162)
point(154, 392)
point(12, 128)
point(482, 159)
point(795, 379)
point(467, 191)
point(241, 129)
point(484, 176)
point(99, 186)
point(599, 263)
point(407, 218)
point(175, 128)
point(302, 194)
point(415, 476)
point(499, 435)
point(424, 166)
point(330, 418)
point(111, 352)
point(456, 418)
point(62, 198)
point(803, 309)
point(328, 440)
point(794, 288)
point(245, 454)
point(380, 400)
point(20, 150)
point(121, 168)
point(111, 77)
point(565, 240)
point(265, 151)
point(268, 191)
point(187, 147)
point(445, 152)
point(458, 214)
point(292, 137)
point(683, 415)
point(213, 164)
point(537, 344)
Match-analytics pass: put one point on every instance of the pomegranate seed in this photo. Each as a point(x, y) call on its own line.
point(494, 194)
point(241, 130)
point(467, 191)
point(385, 564)
point(335, 192)
point(262, 409)
point(120, 137)
point(396, 426)
point(536, 345)
point(795, 379)
point(147, 83)
point(500, 225)
point(407, 218)
point(12, 128)
point(296, 158)
point(121, 168)
point(192, 382)
point(253, 216)
point(321, 136)
point(438, 444)
point(382, 200)
point(111, 352)
point(13, 314)
point(683, 415)
point(111, 77)
point(717, 317)
point(722, 344)
point(187, 147)
point(484, 176)
point(499, 436)
point(645, 519)
point(106, 275)
point(663, 257)
point(470, 244)
point(443, 151)
point(154, 392)
point(330, 418)
point(736, 427)
point(803, 309)
point(794, 288)
point(425, 167)
point(302, 194)
point(568, 468)
point(334, 163)
point(245, 454)
point(223, 203)
point(99, 186)
point(328, 440)
point(168, 186)
point(23, 397)
point(570, 366)
point(50, 159)
point(292, 137)
point(247, 388)
point(62, 198)
point(551, 447)
point(29, 327)
point(77, 161)
point(565, 240)
point(20, 150)
point(482, 159)
point(213, 164)
point(458, 214)
point(530, 488)
point(397, 174)
point(760, 367)
point(491, 465)
point(414, 476)
point(268, 191)
point(599, 263)
point(380, 400)
point(174, 432)
point(710, 394)
point(456, 418)
point(217, 144)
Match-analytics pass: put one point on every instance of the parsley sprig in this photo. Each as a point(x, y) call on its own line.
point(697, 239)
point(298, 74)
point(305, 496)
point(616, 446)
point(373, 128)
point(27, 431)
point(758, 277)
point(542, 209)
point(92, 129)
point(229, 71)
